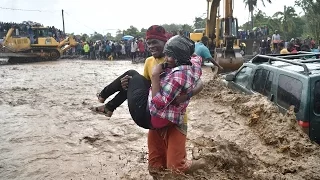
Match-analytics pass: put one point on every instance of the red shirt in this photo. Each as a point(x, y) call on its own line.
point(141, 46)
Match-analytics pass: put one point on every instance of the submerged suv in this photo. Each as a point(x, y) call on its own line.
point(286, 80)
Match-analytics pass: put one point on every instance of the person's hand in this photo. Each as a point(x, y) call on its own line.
point(157, 70)
point(220, 67)
point(125, 81)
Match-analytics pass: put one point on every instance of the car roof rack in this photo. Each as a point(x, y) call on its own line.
point(291, 54)
point(270, 59)
point(299, 55)
point(307, 60)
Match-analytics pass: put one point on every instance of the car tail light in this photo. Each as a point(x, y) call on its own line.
point(304, 125)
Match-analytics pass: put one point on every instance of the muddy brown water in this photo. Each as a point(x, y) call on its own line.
point(47, 132)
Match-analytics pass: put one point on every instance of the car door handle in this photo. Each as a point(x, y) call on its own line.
point(271, 97)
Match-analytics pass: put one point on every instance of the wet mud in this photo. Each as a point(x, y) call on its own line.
point(47, 131)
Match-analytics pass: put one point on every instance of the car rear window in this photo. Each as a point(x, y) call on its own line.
point(316, 107)
point(289, 92)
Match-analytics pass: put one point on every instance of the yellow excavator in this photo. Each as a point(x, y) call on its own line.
point(42, 47)
point(222, 34)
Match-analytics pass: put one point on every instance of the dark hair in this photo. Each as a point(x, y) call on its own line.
point(305, 48)
point(281, 44)
point(204, 39)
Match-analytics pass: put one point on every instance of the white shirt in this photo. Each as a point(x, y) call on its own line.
point(134, 47)
point(276, 37)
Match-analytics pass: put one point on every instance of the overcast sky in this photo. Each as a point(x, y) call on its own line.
point(87, 16)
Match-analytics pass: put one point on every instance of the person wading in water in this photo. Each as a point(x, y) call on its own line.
point(166, 145)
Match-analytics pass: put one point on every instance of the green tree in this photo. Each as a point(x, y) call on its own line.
point(199, 23)
point(84, 37)
point(142, 33)
point(299, 30)
point(96, 36)
point(187, 27)
point(119, 35)
point(132, 31)
point(172, 27)
point(312, 14)
point(293, 25)
point(287, 20)
point(252, 4)
point(177, 27)
point(110, 37)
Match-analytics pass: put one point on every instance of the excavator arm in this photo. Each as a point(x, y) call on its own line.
point(224, 31)
point(212, 11)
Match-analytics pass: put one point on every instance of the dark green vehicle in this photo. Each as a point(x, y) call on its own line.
point(285, 80)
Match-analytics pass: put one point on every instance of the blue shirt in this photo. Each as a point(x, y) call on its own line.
point(202, 51)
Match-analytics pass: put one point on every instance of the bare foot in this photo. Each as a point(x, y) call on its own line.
point(100, 99)
point(196, 164)
point(101, 110)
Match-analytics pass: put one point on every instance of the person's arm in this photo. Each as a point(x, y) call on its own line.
point(215, 63)
point(207, 55)
point(197, 89)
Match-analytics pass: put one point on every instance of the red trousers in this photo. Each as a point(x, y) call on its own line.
point(167, 149)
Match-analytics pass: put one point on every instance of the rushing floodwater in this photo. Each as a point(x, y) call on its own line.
point(47, 131)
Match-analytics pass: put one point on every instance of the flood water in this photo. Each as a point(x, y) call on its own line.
point(47, 131)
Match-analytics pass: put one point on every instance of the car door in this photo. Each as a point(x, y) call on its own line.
point(314, 121)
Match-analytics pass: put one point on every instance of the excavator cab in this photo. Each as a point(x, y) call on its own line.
point(42, 37)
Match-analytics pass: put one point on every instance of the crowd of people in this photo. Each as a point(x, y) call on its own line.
point(25, 29)
point(102, 50)
point(255, 33)
point(276, 45)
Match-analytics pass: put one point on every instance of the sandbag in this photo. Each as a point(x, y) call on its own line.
point(180, 48)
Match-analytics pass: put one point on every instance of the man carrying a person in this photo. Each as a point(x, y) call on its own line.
point(159, 139)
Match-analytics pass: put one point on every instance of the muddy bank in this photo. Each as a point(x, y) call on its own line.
point(46, 131)
point(245, 137)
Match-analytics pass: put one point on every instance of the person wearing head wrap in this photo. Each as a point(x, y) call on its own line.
point(134, 87)
point(182, 71)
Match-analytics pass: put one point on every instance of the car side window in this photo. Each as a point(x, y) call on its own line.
point(289, 92)
point(268, 85)
point(243, 75)
point(262, 81)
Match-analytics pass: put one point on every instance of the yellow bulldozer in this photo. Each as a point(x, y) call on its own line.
point(41, 47)
point(222, 33)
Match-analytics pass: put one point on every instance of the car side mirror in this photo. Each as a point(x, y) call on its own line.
point(230, 77)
